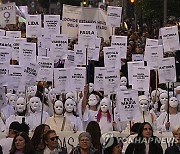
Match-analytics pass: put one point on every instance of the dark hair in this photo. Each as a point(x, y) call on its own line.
point(45, 137)
point(29, 149)
point(94, 130)
point(141, 127)
point(109, 150)
point(37, 137)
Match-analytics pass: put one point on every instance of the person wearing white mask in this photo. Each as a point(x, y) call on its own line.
point(104, 117)
point(20, 114)
point(70, 114)
point(145, 115)
point(91, 87)
point(123, 83)
point(58, 121)
point(36, 112)
point(174, 116)
point(20, 93)
point(163, 97)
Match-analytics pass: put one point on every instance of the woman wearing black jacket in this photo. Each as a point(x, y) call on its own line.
point(145, 142)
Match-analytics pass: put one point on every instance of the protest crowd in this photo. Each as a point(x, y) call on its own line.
point(78, 88)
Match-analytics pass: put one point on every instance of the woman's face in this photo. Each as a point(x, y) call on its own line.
point(177, 136)
point(84, 143)
point(117, 149)
point(147, 131)
point(52, 141)
point(20, 143)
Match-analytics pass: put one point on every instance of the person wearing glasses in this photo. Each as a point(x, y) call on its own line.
point(175, 149)
point(145, 142)
point(51, 142)
point(85, 146)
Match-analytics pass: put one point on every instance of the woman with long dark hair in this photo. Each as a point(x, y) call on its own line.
point(145, 142)
point(22, 144)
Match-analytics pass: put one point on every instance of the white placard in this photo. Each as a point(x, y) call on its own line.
point(77, 78)
point(6, 41)
point(93, 54)
point(29, 76)
point(128, 105)
point(112, 57)
point(52, 24)
point(170, 37)
point(130, 69)
point(79, 55)
point(16, 45)
point(61, 79)
point(87, 34)
point(14, 34)
point(141, 78)
point(5, 54)
point(137, 57)
point(152, 55)
point(98, 78)
point(7, 13)
point(27, 53)
point(121, 42)
point(114, 16)
point(2, 32)
point(59, 46)
point(167, 70)
point(3, 74)
point(151, 42)
point(111, 81)
point(69, 61)
point(45, 72)
point(15, 75)
point(33, 26)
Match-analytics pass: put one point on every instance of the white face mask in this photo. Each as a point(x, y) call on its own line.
point(69, 105)
point(173, 102)
point(92, 101)
point(20, 105)
point(58, 107)
point(35, 104)
point(143, 105)
point(123, 81)
point(52, 96)
point(91, 87)
point(104, 107)
point(21, 94)
point(163, 98)
point(153, 95)
point(33, 90)
point(12, 100)
point(162, 108)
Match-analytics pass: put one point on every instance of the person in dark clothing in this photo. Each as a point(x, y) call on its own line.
point(145, 142)
point(175, 149)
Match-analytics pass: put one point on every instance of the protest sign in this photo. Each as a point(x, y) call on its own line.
point(14, 34)
point(77, 78)
point(114, 16)
point(98, 78)
point(152, 55)
point(52, 24)
point(160, 41)
point(141, 78)
point(170, 38)
point(112, 57)
point(130, 69)
point(137, 57)
point(121, 42)
point(61, 80)
point(15, 75)
point(73, 15)
point(59, 46)
point(45, 72)
point(27, 53)
point(87, 34)
point(128, 105)
point(7, 13)
point(6, 41)
point(111, 81)
point(79, 55)
point(3, 74)
point(93, 54)
point(69, 61)
point(33, 26)
point(16, 46)
point(151, 42)
point(167, 70)
point(2, 32)
point(29, 76)
point(5, 54)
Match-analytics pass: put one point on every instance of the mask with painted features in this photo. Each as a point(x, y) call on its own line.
point(143, 103)
point(20, 105)
point(69, 105)
point(58, 107)
point(35, 104)
point(123, 81)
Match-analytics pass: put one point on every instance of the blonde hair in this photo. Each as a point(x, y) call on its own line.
point(175, 129)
